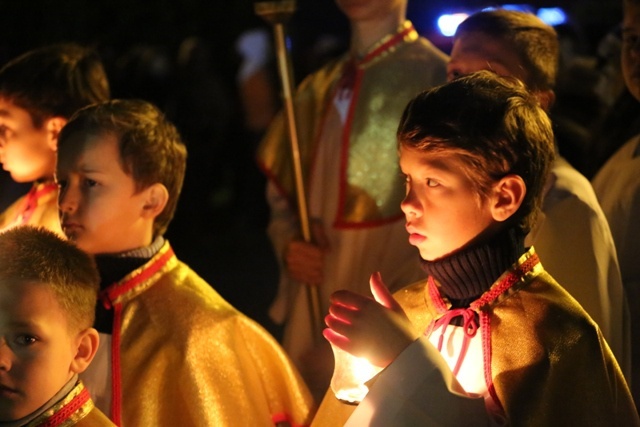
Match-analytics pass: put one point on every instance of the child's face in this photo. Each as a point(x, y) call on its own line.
point(99, 208)
point(26, 152)
point(442, 210)
point(477, 51)
point(37, 349)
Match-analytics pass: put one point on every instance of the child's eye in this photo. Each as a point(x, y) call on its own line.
point(432, 182)
point(26, 340)
point(90, 182)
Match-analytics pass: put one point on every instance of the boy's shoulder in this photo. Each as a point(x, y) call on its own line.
point(39, 207)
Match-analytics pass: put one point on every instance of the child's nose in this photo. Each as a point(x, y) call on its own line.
point(67, 200)
point(410, 205)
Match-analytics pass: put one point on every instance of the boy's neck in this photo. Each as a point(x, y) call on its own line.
point(465, 275)
point(365, 34)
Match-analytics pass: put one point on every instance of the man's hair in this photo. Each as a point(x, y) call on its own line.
point(38, 256)
point(54, 81)
point(151, 150)
point(493, 125)
point(535, 42)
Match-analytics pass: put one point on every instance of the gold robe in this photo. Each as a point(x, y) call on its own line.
point(75, 409)
point(347, 115)
point(182, 356)
point(39, 207)
point(392, 72)
point(548, 362)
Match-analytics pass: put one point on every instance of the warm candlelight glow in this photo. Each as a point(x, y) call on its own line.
point(350, 375)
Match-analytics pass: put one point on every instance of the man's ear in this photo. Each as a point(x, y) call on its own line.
point(546, 98)
point(155, 200)
point(54, 125)
point(87, 341)
point(509, 193)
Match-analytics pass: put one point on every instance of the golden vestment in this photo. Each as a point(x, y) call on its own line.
point(39, 207)
point(347, 115)
point(545, 360)
point(393, 71)
point(183, 356)
point(75, 409)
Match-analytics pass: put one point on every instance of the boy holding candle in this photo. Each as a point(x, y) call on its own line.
point(489, 322)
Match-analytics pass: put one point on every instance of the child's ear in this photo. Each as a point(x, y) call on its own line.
point(54, 125)
point(509, 193)
point(155, 200)
point(88, 341)
point(546, 98)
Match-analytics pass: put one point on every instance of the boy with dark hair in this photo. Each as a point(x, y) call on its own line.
point(572, 236)
point(48, 292)
point(177, 353)
point(39, 91)
point(475, 153)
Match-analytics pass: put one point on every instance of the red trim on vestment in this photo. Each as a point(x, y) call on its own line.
point(63, 414)
point(285, 418)
point(346, 135)
point(116, 383)
point(109, 298)
point(488, 297)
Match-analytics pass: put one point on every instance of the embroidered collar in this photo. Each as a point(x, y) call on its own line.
point(140, 279)
point(74, 407)
point(405, 33)
point(527, 266)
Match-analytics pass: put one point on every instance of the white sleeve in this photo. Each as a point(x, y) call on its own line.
point(419, 389)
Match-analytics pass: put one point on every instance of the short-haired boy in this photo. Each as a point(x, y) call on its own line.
point(177, 353)
point(48, 291)
point(39, 91)
point(475, 153)
point(572, 236)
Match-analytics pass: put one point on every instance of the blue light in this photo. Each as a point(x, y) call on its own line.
point(518, 7)
point(448, 24)
point(552, 15)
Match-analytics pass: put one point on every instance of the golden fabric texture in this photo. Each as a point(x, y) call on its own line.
point(371, 185)
point(45, 213)
point(188, 358)
point(84, 414)
point(550, 364)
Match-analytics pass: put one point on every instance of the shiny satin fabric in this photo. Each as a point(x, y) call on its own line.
point(188, 358)
point(370, 183)
point(44, 214)
point(550, 364)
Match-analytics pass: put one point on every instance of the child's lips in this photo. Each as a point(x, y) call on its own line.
point(70, 227)
point(415, 238)
point(7, 391)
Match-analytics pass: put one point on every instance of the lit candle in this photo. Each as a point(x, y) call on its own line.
point(350, 375)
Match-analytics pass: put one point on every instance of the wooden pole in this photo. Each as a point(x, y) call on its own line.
point(277, 13)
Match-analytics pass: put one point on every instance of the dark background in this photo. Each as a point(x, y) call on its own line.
point(219, 228)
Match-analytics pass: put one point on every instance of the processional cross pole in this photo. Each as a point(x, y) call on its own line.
point(277, 13)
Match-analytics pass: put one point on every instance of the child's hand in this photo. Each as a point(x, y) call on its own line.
point(376, 329)
point(305, 261)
